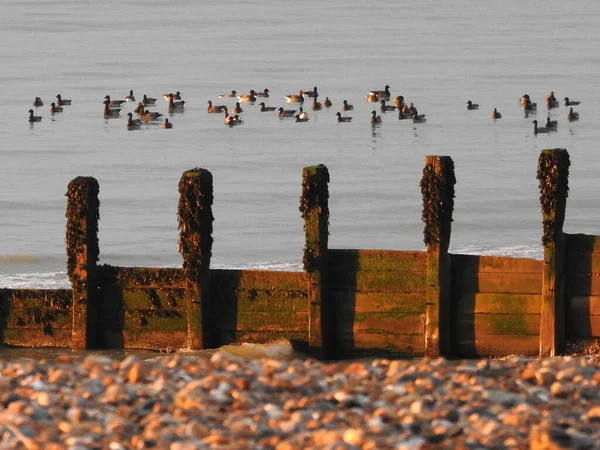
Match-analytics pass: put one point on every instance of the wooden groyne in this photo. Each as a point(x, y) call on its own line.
point(346, 303)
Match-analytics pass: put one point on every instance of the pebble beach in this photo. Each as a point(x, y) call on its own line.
point(222, 401)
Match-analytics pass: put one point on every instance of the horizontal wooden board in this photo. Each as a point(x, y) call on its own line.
point(583, 306)
point(497, 346)
point(155, 340)
point(142, 277)
point(38, 319)
point(259, 279)
point(144, 298)
point(582, 263)
point(477, 325)
point(36, 338)
point(168, 320)
point(36, 298)
point(582, 285)
point(357, 260)
point(364, 302)
point(388, 323)
point(583, 326)
point(502, 264)
point(394, 343)
point(260, 300)
point(473, 303)
point(273, 321)
point(368, 281)
point(582, 243)
point(487, 282)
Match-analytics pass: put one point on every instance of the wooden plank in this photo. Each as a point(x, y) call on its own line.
point(141, 277)
point(368, 281)
point(37, 298)
point(474, 303)
point(582, 263)
point(583, 306)
point(260, 300)
point(486, 282)
point(364, 302)
point(398, 343)
point(390, 323)
point(583, 285)
point(259, 279)
point(38, 319)
point(584, 326)
point(498, 346)
point(472, 327)
point(270, 321)
point(502, 264)
point(156, 320)
point(155, 340)
point(151, 298)
point(36, 338)
point(377, 260)
point(583, 243)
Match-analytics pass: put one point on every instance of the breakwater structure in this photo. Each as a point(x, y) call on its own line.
point(345, 304)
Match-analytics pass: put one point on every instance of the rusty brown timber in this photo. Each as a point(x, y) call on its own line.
point(346, 303)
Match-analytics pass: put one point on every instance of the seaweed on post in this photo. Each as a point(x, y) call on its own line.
point(553, 177)
point(314, 206)
point(195, 219)
point(82, 199)
point(437, 189)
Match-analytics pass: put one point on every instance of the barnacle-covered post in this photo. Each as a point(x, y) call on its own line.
point(195, 245)
point(83, 214)
point(437, 188)
point(314, 206)
point(553, 176)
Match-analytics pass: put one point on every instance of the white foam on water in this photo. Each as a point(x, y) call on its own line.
point(280, 349)
point(49, 280)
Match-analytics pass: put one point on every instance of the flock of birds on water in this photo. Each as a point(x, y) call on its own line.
point(112, 108)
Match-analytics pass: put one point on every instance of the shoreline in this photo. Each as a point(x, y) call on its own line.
point(222, 401)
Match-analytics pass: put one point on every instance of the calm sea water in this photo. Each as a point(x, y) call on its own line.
point(436, 54)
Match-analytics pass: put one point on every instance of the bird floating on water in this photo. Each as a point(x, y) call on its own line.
point(61, 101)
point(572, 115)
point(471, 105)
point(341, 119)
point(33, 118)
point(55, 109)
point(570, 102)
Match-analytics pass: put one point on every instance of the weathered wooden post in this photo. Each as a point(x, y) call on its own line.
point(553, 175)
point(314, 206)
point(195, 245)
point(437, 188)
point(83, 214)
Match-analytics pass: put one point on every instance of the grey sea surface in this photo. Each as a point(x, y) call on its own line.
point(436, 54)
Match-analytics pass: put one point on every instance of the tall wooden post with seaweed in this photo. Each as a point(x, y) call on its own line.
point(437, 188)
point(195, 245)
point(553, 175)
point(314, 206)
point(83, 214)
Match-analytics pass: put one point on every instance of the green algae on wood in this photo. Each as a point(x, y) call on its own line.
point(553, 177)
point(195, 217)
point(314, 207)
point(83, 214)
point(437, 190)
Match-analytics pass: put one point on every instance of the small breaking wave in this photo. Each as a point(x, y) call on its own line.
point(282, 350)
